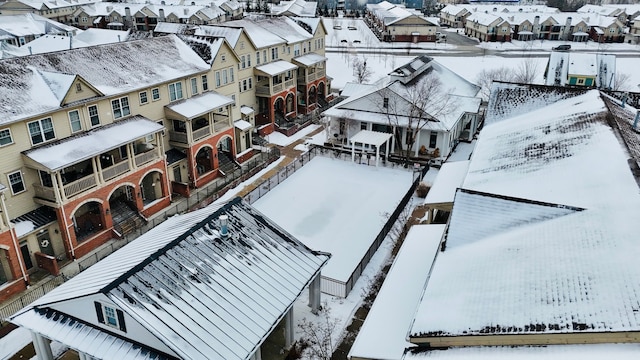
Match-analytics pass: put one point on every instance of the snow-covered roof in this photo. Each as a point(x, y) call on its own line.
point(294, 7)
point(276, 67)
point(200, 104)
point(174, 28)
point(285, 28)
point(201, 295)
point(256, 33)
point(32, 24)
point(51, 43)
point(75, 149)
point(390, 13)
point(563, 64)
point(230, 34)
point(518, 8)
point(242, 125)
point(369, 137)
point(450, 177)
point(383, 334)
point(94, 36)
point(351, 89)
point(483, 19)
point(453, 9)
point(311, 22)
point(246, 110)
point(309, 59)
point(550, 352)
point(545, 183)
point(112, 69)
point(54, 4)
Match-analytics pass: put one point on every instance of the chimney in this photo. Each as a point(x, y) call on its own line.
point(109, 9)
point(536, 24)
point(185, 10)
point(161, 15)
point(127, 16)
point(224, 229)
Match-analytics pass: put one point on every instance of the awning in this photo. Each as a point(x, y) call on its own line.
point(246, 110)
point(368, 137)
point(115, 24)
point(75, 149)
point(450, 178)
point(276, 67)
point(310, 59)
point(199, 105)
point(580, 33)
point(242, 125)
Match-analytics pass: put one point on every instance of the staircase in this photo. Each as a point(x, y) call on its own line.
point(125, 219)
point(227, 164)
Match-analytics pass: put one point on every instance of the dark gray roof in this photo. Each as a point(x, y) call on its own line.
point(174, 155)
point(39, 217)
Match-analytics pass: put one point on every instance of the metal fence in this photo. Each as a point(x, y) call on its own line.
point(200, 198)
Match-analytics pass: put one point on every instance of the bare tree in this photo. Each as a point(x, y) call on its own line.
point(412, 106)
point(361, 70)
point(622, 82)
point(318, 334)
point(526, 71)
point(486, 77)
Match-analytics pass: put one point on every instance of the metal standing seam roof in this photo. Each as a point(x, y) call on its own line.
point(309, 59)
point(242, 125)
point(203, 296)
point(375, 138)
point(450, 177)
point(84, 146)
point(276, 67)
point(200, 104)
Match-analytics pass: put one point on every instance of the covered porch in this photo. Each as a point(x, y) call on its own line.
point(439, 200)
point(275, 92)
point(197, 118)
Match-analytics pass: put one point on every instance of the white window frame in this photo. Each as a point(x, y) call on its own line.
point(154, 92)
point(175, 89)
point(243, 62)
point(96, 115)
point(7, 134)
point(225, 77)
point(231, 77)
point(24, 186)
point(249, 60)
point(205, 83)
point(142, 96)
point(194, 86)
point(78, 121)
point(110, 313)
point(218, 79)
point(121, 108)
point(41, 129)
point(257, 57)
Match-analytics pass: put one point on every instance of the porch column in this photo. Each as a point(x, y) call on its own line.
point(288, 329)
point(417, 143)
point(98, 169)
point(377, 154)
point(130, 154)
point(314, 294)
point(393, 138)
point(387, 148)
point(353, 151)
point(42, 347)
point(59, 181)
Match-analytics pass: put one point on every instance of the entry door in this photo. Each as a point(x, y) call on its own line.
point(24, 249)
point(128, 190)
point(44, 240)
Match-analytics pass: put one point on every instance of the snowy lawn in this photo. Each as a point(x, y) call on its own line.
point(283, 140)
point(336, 206)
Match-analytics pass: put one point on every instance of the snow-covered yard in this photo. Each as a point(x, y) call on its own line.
point(336, 206)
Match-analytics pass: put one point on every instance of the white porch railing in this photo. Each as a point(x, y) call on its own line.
point(44, 192)
point(201, 133)
point(290, 83)
point(178, 136)
point(220, 125)
point(79, 186)
point(145, 157)
point(115, 170)
point(276, 88)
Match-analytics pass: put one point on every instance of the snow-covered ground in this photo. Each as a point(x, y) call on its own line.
point(336, 206)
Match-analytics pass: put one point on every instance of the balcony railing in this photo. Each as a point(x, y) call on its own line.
point(289, 83)
point(44, 192)
point(178, 137)
point(79, 186)
point(220, 125)
point(201, 133)
point(145, 157)
point(115, 170)
point(276, 88)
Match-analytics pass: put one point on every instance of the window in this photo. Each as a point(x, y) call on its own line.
point(385, 102)
point(41, 131)
point(5, 137)
point(225, 78)
point(581, 81)
point(120, 107)
point(217, 78)
point(223, 57)
point(93, 115)
point(233, 97)
point(143, 98)
point(231, 74)
point(296, 50)
point(175, 91)
point(205, 84)
point(110, 316)
point(16, 182)
point(78, 87)
point(155, 94)
point(248, 60)
point(123, 152)
point(74, 119)
point(433, 139)
point(194, 86)
point(258, 57)
point(274, 53)
point(243, 63)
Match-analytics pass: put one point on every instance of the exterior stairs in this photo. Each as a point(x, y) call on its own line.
point(125, 219)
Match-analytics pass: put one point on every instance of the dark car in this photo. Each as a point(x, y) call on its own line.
point(562, 48)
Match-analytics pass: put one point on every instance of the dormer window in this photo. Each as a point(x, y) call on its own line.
point(78, 87)
point(110, 316)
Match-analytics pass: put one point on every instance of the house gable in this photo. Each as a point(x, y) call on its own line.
point(80, 89)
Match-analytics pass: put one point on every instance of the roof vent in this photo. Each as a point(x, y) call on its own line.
point(224, 229)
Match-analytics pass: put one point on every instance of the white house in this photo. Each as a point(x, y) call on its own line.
point(211, 284)
point(438, 118)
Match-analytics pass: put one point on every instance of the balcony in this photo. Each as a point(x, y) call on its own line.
point(179, 137)
point(221, 125)
point(146, 157)
point(78, 186)
point(115, 170)
point(201, 133)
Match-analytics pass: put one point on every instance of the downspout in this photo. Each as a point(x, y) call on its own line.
point(15, 240)
point(66, 230)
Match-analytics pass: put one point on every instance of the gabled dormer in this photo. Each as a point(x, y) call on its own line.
point(69, 88)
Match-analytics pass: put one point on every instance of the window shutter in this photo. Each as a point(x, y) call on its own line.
point(99, 312)
point(120, 315)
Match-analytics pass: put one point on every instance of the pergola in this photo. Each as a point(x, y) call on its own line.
point(367, 137)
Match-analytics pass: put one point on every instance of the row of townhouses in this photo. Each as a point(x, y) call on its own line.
point(511, 23)
point(95, 136)
point(396, 23)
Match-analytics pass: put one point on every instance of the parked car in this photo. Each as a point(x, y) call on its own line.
point(337, 27)
point(562, 48)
